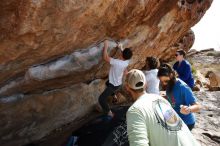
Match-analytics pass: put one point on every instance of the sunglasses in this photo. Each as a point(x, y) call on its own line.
point(177, 55)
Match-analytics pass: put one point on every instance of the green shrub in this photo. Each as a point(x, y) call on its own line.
point(194, 71)
point(216, 54)
point(211, 54)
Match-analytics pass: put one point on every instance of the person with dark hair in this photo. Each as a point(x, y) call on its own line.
point(151, 121)
point(117, 69)
point(183, 68)
point(179, 95)
point(150, 70)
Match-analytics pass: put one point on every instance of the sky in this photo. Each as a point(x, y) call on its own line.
point(207, 30)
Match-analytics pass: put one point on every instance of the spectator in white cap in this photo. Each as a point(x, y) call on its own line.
point(151, 120)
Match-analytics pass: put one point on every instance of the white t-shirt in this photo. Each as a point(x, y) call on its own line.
point(116, 71)
point(152, 81)
point(151, 121)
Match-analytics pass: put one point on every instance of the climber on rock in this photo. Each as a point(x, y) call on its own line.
point(117, 68)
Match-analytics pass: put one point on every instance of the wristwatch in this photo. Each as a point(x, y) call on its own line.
point(190, 111)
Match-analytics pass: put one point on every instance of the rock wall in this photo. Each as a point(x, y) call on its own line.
point(184, 43)
point(207, 67)
point(31, 117)
point(50, 54)
point(207, 128)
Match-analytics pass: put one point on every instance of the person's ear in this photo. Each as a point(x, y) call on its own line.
point(126, 87)
point(171, 75)
point(145, 86)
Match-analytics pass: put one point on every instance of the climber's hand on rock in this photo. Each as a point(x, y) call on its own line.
point(106, 43)
point(120, 46)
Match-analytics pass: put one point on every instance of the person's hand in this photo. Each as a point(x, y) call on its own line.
point(106, 43)
point(185, 109)
point(163, 95)
point(120, 46)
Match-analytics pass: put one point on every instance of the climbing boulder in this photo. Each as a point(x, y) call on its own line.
point(51, 54)
point(214, 80)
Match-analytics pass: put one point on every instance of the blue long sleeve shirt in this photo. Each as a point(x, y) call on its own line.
point(185, 73)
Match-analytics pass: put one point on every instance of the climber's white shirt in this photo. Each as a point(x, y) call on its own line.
point(152, 121)
point(117, 70)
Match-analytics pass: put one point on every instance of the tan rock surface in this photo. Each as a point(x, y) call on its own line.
point(184, 43)
point(206, 63)
point(40, 32)
point(49, 49)
point(207, 129)
point(214, 78)
point(31, 117)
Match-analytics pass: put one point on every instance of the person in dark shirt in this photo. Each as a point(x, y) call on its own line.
point(183, 68)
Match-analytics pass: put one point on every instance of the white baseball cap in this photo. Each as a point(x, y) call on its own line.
point(135, 79)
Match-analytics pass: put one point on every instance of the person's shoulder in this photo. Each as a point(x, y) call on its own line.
point(154, 71)
point(122, 61)
point(186, 62)
point(142, 105)
point(150, 72)
point(118, 61)
point(146, 72)
point(183, 85)
point(114, 59)
point(180, 82)
point(175, 64)
point(134, 108)
point(146, 100)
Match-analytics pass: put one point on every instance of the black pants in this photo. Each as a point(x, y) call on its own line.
point(109, 90)
point(191, 126)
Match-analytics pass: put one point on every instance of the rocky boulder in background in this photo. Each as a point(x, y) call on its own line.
point(50, 54)
point(206, 63)
point(214, 80)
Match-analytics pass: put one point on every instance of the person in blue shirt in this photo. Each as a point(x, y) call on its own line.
point(179, 94)
point(183, 68)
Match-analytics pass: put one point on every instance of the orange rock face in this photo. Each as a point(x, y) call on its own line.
point(52, 45)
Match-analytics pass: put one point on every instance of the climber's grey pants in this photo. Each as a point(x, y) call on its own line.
point(109, 91)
